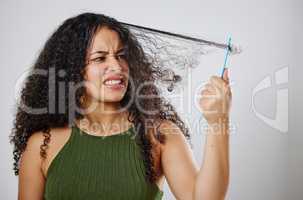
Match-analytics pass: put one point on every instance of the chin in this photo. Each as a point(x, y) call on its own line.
point(113, 98)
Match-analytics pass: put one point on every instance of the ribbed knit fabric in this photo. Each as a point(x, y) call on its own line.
point(90, 167)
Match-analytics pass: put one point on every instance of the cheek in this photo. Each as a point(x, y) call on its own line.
point(93, 74)
point(125, 70)
point(93, 77)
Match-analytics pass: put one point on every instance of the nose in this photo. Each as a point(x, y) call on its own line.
point(113, 64)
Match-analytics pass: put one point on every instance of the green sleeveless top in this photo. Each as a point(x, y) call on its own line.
point(90, 167)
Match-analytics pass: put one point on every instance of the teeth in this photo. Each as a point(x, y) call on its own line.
point(113, 82)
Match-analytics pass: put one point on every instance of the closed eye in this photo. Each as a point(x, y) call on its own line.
point(99, 59)
point(121, 56)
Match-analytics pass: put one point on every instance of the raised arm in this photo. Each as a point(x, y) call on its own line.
point(209, 182)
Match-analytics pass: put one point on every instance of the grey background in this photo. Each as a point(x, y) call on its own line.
point(265, 163)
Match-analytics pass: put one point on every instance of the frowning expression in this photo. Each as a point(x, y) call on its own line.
point(107, 71)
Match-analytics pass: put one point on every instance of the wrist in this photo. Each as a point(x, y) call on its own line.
point(218, 120)
point(219, 126)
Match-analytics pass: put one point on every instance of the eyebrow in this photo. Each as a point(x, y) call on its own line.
point(106, 52)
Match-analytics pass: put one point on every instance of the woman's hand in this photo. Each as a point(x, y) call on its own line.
point(215, 101)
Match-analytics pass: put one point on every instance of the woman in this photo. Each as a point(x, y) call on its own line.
point(87, 127)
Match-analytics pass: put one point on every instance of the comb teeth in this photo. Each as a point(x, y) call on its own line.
point(235, 49)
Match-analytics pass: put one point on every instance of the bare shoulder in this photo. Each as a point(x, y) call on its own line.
point(34, 142)
point(168, 127)
point(58, 137)
point(31, 153)
point(32, 171)
point(173, 135)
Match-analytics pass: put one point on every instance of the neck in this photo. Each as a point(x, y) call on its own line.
point(105, 117)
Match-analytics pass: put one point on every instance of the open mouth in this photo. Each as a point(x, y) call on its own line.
point(115, 83)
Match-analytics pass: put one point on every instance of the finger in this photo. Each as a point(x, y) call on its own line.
point(220, 85)
point(206, 93)
point(225, 76)
point(218, 82)
point(210, 87)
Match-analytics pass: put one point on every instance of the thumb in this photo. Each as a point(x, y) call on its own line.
point(225, 75)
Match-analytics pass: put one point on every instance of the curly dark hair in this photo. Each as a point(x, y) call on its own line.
point(66, 50)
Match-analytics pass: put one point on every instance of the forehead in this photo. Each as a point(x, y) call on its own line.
point(106, 39)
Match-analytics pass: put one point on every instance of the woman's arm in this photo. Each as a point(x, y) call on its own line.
point(31, 179)
point(213, 177)
point(185, 179)
point(179, 166)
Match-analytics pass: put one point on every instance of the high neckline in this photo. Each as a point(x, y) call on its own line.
point(122, 133)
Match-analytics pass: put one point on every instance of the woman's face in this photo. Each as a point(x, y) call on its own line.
point(107, 71)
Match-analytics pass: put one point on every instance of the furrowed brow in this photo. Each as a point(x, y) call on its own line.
point(106, 52)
